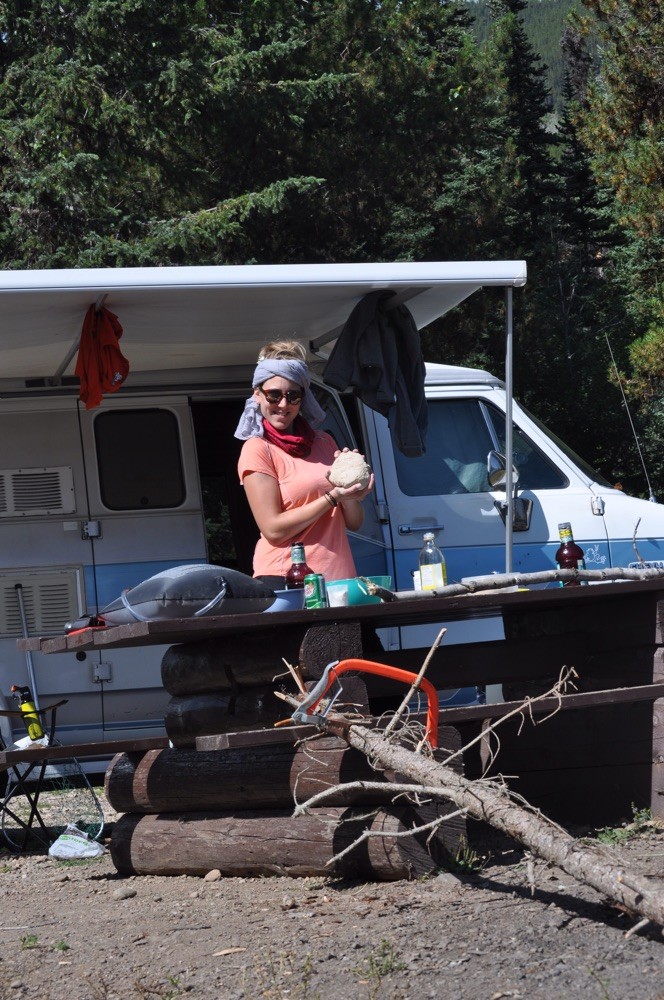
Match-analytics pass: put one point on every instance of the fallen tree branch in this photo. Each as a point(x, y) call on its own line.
point(501, 581)
point(491, 802)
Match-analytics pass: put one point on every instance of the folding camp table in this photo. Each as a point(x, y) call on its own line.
point(20, 775)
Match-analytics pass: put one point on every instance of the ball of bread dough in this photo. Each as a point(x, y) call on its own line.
point(348, 469)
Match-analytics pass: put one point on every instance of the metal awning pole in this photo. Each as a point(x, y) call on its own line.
point(509, 446)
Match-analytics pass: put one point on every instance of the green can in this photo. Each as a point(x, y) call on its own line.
point(315, 595)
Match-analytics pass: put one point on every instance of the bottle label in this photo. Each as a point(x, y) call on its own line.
point(297, 553)
point(432, 576)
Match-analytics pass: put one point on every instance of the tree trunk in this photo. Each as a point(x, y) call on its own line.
point(248, 660)
point(205, 714)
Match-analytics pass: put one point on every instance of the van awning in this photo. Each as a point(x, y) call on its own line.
point(189, 318)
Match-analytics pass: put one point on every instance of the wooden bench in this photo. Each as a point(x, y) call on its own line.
point(80, 750)
point(26, 772)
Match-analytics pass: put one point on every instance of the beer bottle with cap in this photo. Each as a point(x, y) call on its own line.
point(569, 555)
point(298, 568)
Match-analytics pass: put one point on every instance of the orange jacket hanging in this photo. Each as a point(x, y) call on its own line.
point(101, 365)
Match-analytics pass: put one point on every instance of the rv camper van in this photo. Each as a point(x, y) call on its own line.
point(94, 501)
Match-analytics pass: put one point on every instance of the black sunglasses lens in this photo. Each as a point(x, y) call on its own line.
point(274, 396)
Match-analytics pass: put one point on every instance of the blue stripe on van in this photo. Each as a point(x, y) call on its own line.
point(484, 560)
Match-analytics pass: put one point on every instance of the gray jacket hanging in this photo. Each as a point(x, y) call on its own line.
point(378, 354)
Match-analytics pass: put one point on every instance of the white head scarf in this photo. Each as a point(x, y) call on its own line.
point(251, 421)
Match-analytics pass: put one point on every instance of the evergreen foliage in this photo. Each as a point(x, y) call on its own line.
point(213, 132)
point(157, 132)
point(544, 24)
point(620, 123)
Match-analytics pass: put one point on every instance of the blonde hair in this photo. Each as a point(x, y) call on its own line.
point(287, 350)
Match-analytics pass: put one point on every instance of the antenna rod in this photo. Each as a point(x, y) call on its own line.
point(651, 495)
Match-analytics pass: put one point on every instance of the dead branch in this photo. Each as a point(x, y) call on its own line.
point(399, 788)
point(393, 835)
point(491, 802)
point(556, 691)
point(501, 581)
point(415, 686)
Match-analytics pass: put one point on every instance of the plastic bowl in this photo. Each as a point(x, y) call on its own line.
point(288, 600)
point(356, 591)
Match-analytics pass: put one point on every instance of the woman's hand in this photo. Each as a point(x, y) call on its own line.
point(355, 492)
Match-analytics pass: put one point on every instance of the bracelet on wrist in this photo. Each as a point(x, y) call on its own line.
point(330, 499)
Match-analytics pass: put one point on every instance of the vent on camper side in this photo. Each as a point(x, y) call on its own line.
point(51, 598)
point(25, 492)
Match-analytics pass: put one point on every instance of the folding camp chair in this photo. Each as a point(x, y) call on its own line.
point(30, 773)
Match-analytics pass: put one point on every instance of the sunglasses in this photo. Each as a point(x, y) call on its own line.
point(274, 396)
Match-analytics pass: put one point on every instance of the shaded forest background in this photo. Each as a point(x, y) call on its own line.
point(158, 132)
point(544, 23)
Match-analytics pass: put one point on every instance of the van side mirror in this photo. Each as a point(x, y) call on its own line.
point(496, 470)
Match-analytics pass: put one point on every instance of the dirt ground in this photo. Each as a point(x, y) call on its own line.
point(79, 931)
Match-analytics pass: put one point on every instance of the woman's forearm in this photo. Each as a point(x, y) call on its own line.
point(276, 525)
point(353, 513)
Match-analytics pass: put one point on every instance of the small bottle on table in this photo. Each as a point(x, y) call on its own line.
point(298, 568)
point(569, 555)
point(433, 572)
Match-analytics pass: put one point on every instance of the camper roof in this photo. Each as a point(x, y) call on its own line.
point(184, 318)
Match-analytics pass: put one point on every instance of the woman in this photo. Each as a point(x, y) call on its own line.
point(284, 466)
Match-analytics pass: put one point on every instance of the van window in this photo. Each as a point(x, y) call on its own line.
point(461, 434)
point(139, 459)
point(536, 472)
point(334, 423)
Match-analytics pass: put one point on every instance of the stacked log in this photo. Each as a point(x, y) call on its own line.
point(222, 796)
point(229, 807)
point(227, 685)
point(250, 844)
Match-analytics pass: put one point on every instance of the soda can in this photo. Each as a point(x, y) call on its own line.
point(315, 595)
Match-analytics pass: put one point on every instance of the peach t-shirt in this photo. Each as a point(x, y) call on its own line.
point(300, 480)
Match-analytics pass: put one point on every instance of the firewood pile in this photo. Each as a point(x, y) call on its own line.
point(223, 796)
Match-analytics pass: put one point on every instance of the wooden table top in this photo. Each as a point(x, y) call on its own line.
point(409, 610)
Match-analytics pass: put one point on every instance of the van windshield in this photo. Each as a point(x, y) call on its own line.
point(581, 463)
point(461, 434)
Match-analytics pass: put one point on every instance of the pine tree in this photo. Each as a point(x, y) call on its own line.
point(529, 142)
point(622, 127)
point(137, 131)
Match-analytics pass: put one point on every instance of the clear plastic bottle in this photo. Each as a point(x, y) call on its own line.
point(298, 568)
point(433, 572)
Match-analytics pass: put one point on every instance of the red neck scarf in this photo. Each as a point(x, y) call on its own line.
point(297, 444)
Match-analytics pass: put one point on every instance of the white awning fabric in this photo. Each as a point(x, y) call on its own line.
point(192, 318)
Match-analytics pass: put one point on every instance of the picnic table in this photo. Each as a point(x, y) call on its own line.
point(605, 742)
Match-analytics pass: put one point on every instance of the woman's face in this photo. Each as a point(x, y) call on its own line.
point(282, 414)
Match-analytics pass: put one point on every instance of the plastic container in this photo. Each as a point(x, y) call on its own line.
point(357, 594)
